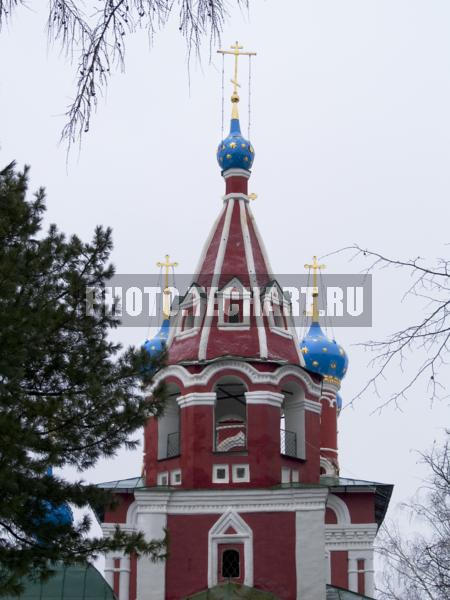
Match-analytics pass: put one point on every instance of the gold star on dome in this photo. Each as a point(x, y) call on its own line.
point(315, 363)
point(246, 158)
point(243, 146)
point(333, 365)
point(251, 149)
point(324, 349)
point(228, 155)
point(233, 145)
point(304, 350)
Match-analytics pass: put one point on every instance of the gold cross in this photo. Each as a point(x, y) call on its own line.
point(315, 307)
point(166, 299)
point(235, 50)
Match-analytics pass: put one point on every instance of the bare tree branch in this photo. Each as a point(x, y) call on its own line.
point(92, 36)
point(428, 338)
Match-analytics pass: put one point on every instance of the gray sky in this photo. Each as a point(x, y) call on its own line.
point(351, 128)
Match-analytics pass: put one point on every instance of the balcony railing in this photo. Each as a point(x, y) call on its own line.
point(173, 444)
point(288, 444)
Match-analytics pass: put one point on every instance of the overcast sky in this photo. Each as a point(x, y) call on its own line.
point(351, 128)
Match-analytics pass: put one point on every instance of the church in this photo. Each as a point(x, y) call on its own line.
point(242, 469)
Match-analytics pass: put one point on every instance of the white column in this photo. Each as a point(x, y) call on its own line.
point(124, 581)
point(309, 554)
point(109, 570)
point(352, 574)
point(151, 520)
point(369, 573)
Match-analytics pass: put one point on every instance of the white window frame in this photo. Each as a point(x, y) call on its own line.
point(268, 301)
point(194, 300)
point(234, 474)
point(236, 289)
point(160, 477)
point(216, 479)
point(173, 475)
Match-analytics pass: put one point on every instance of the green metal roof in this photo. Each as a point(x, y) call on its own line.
point(75, 582)
point(335, 593)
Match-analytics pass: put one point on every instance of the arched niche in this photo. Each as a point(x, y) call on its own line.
point(230, 414)
point(169, 425)
point(292, 420)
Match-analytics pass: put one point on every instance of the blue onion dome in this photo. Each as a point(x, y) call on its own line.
point(158, 343)
point(322, 355)
point(235, 152)
point(60, 514)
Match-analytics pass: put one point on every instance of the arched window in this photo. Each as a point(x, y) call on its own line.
point(230, 415)
point(169, 426)
point(231, 564)
point(292, 425)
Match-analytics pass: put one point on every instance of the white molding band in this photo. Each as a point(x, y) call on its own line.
point(236, 196)
point(264, 397)
point(236, 173)
point(197, 399)
point(352, 536)
point(204, 337)
point(187, 502)
point(257, 377)
point(340, 509)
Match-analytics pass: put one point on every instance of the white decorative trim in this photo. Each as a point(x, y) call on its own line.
point(187, 333)
point(353, 536)
point(261, 242)
point(339, 507)
point(329, 468)
point(163, 478)
point(217, 535)
point(257, 377)
point(281, 332)
point(236, 173)
point(310, 405)
point(197, 399)
point(207, 244)
point(245, 478)
point(264, 397)
point(197, 502)
point(202, 351)
point(333, 450)
point(236, 196)
point(253, 281)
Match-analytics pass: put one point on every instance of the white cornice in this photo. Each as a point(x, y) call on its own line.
point(185, 502)
point(351, 536)
point(258, 377)
point(237, 196)
point(236, 173)
point(263, 397)
point(197, 399)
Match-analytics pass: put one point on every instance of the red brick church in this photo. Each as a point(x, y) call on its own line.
point(242, 468)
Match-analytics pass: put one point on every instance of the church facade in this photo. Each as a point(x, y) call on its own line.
point(242, 468)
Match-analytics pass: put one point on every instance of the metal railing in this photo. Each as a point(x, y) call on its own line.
point(173, 444)
point(288, 442)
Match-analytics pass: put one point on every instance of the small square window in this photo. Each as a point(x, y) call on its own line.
point(220, 474)
point(241, 473)
point(285, 475)
point(163, 478)
point(175, 477)
point(295, 476)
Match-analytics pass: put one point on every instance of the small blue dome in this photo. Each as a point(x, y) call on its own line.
point(235, 152)
point(57, 515)
point(338, 402)
point(322, 355)
point(158, 343)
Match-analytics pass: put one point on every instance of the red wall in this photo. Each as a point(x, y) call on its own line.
point(273, 548)
point(339, 568)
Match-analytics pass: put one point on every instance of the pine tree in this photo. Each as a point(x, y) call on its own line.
point(68, 394)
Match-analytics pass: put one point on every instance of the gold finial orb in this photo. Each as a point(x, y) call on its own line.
point(252, 196)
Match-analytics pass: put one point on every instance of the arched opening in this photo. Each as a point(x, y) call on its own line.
point(169, 425)
point(230, 415)
point(292, 422)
